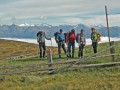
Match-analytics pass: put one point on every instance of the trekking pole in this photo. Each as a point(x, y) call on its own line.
point(51, 45)
point(51, 42)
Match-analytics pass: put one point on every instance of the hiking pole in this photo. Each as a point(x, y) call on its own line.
point(51, 42)
point(51, 45)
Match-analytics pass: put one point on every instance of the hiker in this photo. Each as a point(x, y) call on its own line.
point(41, 40)
point(81, 40)
point(61, 42)
point(95, 39)
point(71, 43)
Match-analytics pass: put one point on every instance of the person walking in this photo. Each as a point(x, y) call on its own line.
point(41, 40)
point(81, 43)
point(71, 43)
point(61, 42)
point(94, 38)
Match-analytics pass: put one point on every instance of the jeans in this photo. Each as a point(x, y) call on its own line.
point(80, 53)
point(61, 45)
point(69, 49)
point(94, 44)
point(42, 48)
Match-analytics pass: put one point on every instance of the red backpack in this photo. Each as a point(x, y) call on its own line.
point(72, 37)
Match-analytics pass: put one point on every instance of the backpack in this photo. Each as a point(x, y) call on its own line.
point(77, 36)
point(56, 34)
point(66, 34)
point(98, 36)
point(40, 36)
point(39, 33)
point(71, 37)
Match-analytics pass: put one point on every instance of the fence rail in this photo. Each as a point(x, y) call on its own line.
point(52, 67)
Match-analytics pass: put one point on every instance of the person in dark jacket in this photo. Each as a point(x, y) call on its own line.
point(61, 42)
point(71, 43)
point(41, 40)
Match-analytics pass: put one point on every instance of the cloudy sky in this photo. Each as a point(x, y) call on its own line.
point(56, 12)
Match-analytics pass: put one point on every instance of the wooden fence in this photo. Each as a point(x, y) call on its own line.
point(54, 67)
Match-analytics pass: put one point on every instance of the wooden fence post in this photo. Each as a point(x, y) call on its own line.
point(112, 50)
point(49, 56)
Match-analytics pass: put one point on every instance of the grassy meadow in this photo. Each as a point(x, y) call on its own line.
point(105, 78)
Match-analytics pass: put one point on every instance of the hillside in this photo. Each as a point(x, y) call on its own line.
point(9, 49)
point(104, 78)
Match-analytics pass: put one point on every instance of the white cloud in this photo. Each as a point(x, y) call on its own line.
point(114, 20)
point(95, 20)
point(48, 8)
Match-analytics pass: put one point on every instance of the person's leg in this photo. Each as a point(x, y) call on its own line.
point(69, 49)
point(59, 49)
point(93, 44)
point(79, 53)
point(82, 47)
point(63, 47)
point(40, 47)
point(96, 43)
point(73, 49)
point(44, 48)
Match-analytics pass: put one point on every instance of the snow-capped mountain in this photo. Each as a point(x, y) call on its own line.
point(26, 30)
point(25, 24)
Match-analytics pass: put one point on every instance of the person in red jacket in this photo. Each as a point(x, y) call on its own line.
point(71, 43)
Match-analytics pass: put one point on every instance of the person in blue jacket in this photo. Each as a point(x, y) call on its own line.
point(61, 42)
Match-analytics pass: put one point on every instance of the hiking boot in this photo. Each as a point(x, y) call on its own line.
point(40, 54)
point(69, 56)
point(44, 56)
point(59, 56)
point(78, 54)
point(65, 52)
point(72, 55)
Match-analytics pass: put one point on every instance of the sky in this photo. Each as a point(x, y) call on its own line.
point(57, 12)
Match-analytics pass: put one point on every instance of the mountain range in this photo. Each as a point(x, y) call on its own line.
point(29, 31)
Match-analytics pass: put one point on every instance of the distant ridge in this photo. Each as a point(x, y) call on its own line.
point(29, 30)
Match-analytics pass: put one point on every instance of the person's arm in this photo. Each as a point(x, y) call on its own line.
point(85, 39)
point(47, 38)
point(57, 38)
point(73, 36)
point(91, 37)
point(78, 38)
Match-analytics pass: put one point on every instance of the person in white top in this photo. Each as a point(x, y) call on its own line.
point(81, 42)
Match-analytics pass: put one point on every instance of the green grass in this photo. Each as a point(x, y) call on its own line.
point(106, 78)
point(9, 48)
point(82, 79)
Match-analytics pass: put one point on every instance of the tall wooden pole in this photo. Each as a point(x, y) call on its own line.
point(107, 25)
point(112, 51)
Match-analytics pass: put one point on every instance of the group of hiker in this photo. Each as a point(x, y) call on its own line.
point(69, 39)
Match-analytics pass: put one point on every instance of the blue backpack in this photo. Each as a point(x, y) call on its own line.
point(56, 34)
